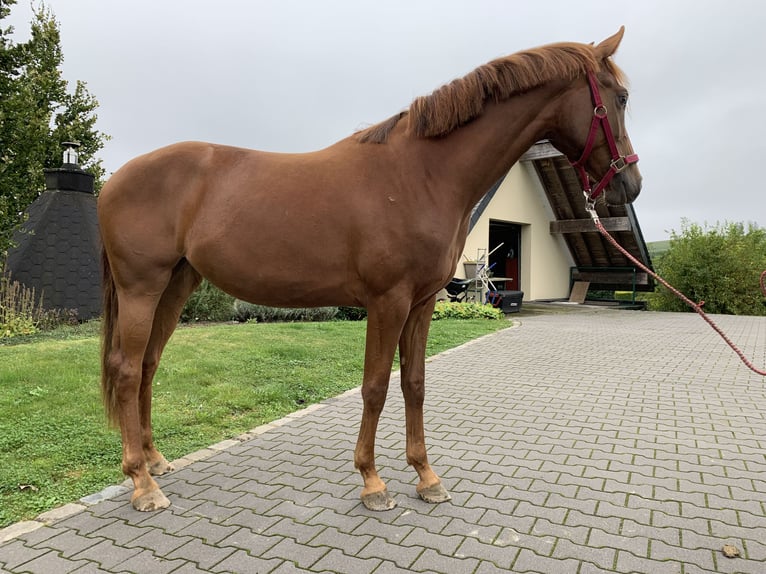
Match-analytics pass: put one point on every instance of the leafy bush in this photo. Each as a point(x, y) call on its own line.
point(208, 303)
point(20, 310)
point(600, 295)
point(623, 295)
point(449, 310)
point(351, 314)
point(54, 318)
point(719, 265)
point(244, 311)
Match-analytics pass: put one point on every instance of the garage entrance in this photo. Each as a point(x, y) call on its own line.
point(505, 262)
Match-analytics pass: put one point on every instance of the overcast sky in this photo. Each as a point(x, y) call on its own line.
point(287, 75)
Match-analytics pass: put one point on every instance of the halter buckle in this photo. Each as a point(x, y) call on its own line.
point(600, 111)
point(618, 164)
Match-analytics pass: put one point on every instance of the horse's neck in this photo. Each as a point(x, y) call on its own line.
point(475, 156)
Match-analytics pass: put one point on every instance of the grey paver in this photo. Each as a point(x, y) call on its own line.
point(205, 556)
point(336, 561)
point(303, 555)
point(446, 545)
point(68, 543)
point(147, 561)
point(106, 554)
point(584, 442)
point(627, 562)
point(528, 561)
point(393, 533)
point(14, 553)
point(243, 563)
point(208, 531)
point(52, 561)
point(433, 561)
point(349, 544)
point(402, 556)
point(486, 533)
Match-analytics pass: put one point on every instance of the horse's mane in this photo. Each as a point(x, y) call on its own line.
point(462, 100)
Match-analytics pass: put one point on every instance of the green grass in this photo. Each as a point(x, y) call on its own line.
point(214, 382)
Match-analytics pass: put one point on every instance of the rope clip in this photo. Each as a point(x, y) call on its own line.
point(590, 206)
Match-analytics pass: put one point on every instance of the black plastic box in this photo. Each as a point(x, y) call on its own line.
point(511, 301)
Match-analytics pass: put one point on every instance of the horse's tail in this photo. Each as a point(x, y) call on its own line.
point(109, 321)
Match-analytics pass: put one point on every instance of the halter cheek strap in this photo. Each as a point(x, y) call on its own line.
point(618, 163)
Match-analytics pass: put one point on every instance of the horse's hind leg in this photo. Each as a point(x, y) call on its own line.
point(125, 360)
point(182, 283)
point(412, 354)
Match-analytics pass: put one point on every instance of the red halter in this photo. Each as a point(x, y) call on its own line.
point(619, 162)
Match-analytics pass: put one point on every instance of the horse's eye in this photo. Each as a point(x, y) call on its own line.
point(623, 99)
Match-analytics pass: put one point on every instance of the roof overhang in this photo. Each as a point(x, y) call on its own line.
point(596, 260)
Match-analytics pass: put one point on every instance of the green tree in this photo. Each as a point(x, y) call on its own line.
point(9, 65)
point(38, 113)
point(720, 265)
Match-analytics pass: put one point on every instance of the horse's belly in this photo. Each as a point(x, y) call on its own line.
point(292, 291)
point(283, 282)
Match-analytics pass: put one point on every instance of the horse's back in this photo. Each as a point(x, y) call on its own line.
point(262, 226)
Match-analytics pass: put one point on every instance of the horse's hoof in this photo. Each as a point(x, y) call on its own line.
point(151, 501)
point(378, 501)
point(435, 494)
point(160, 467)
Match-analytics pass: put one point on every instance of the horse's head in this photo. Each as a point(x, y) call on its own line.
point(591, 130)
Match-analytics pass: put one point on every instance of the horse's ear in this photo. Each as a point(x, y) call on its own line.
point(609, 46)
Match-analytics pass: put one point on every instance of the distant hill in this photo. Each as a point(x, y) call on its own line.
point(657, 248)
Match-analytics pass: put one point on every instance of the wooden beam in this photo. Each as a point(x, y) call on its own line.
point(611, 277)
point(586, 225)
point(579, 292)
point(540, 150)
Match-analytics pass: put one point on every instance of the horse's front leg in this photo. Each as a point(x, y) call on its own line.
point(384, 326)
point(412, 356)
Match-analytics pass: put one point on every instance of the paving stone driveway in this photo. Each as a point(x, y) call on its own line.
point(578, 442)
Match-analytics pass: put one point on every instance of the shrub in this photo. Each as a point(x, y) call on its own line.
point(208, 303)
point(450, 310)
point(20, 310)
point(719, 265)
point(244, 311)
point(351, 314)
point(623, 295)
point(600, 295)
point(55, 318)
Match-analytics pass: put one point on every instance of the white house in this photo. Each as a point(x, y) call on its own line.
point(534, 232)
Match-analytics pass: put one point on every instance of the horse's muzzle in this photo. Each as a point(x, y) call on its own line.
point(624, 187)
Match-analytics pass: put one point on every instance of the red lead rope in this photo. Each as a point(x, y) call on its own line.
point(696, 306)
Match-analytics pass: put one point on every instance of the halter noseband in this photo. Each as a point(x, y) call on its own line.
point(618, 163)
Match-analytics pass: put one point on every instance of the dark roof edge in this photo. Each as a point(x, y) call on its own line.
point(478, 211)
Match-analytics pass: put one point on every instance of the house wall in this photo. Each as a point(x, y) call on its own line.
point(545, 258)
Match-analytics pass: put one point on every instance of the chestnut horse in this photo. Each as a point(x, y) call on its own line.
point(377, 220)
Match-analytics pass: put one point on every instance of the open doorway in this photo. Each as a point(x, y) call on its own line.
point(505, 262)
